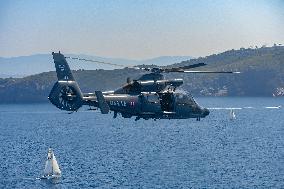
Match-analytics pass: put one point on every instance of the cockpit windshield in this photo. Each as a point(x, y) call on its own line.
point(182, 98)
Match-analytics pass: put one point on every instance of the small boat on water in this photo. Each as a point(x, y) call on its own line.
point(51, 170)
point(232, 114)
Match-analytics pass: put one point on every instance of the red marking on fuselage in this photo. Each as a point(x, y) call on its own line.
point(132, 103)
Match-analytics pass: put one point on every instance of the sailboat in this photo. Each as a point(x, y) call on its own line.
point(232, 114)
point(51, 170)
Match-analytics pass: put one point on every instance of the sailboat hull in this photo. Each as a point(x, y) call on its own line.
point(51, 177)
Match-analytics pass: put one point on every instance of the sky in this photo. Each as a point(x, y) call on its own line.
point(137, 29)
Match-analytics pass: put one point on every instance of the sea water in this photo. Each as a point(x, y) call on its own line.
point(97, 151)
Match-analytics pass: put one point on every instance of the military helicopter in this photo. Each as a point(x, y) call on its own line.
point(149, 97)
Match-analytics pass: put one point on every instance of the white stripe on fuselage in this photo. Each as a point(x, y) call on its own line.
point(61, 81)
point(159, 81)
point(116, 96)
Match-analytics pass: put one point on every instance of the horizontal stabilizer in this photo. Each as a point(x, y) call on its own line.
point(102, 102)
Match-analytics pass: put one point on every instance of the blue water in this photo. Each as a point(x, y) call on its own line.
point(96, 151)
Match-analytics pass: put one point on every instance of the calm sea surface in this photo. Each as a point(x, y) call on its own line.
point(97, 151)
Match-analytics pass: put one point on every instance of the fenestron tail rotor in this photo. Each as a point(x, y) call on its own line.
point(66, 96)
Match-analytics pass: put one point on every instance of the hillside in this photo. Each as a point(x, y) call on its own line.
point(262, 75)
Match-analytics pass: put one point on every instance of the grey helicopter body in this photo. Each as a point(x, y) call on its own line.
point(149, 97)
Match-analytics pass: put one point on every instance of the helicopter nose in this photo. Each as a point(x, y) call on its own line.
point(205, 112)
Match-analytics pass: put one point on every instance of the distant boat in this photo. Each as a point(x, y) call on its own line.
point(273, 107)
point(51, 170)
point(232, 114)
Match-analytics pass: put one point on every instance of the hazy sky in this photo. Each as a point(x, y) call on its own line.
point(138, 29)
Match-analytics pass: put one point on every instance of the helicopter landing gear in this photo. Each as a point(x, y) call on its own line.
point(114, 114)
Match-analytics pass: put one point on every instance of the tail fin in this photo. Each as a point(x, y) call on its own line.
point(62, 68)
point(65, 94)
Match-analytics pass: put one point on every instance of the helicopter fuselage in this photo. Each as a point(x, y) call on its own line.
point(164, 105)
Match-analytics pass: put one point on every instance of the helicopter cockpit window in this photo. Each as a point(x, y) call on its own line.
point(153, 98)
point(184, 99)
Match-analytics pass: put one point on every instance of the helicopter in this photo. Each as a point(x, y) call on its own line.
point(149, 97)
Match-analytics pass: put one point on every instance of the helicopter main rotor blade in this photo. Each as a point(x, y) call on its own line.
point(192, 71)
point(193, 66)
point(95, 61)
point(183, 69)
point(177, 69)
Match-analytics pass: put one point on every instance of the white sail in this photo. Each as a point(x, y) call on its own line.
point(55, 167)
point(48, 163)
point(48, 168)
point(232, 114)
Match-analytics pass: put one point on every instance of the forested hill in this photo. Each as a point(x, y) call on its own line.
point(262, 75)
